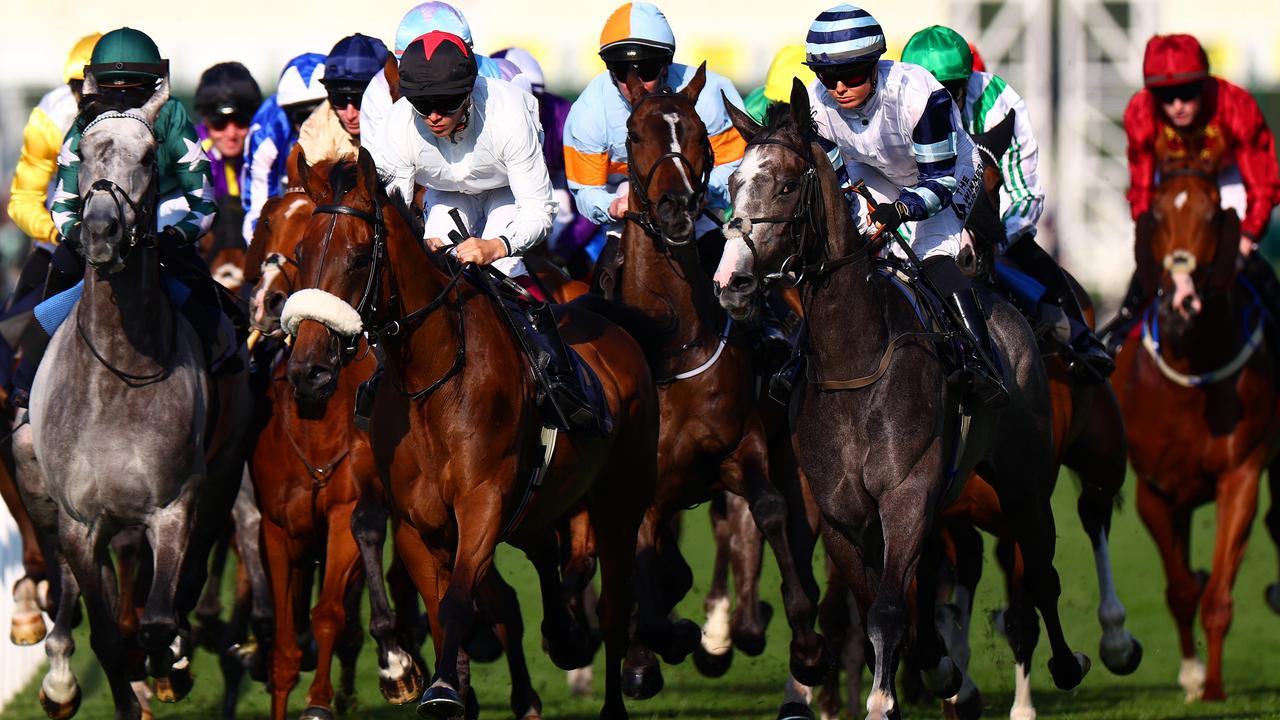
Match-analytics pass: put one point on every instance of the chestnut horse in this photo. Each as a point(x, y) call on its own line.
point(712, 434)
point(1197, 385)
point(458, 404)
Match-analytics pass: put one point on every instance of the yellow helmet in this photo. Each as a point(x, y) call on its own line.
point(787, 64)
point(79, 57)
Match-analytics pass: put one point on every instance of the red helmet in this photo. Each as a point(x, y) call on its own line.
point(1174, 60)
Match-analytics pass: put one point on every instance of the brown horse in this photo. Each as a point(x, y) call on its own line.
point(468, 423)
point(712, 434)
point(1198, 391)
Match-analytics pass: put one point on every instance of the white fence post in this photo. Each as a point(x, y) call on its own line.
point(17, 664)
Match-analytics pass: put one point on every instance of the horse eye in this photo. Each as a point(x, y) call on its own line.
point(790, 187)
point(358, 262)
point(633, 136)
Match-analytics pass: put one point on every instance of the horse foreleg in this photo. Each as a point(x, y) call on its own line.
point(27, 625)
point(59, 691)
point(751, 617)
point(1170, 527)
point(431, 577)
point(615, 522)
point(399, 675)
point(498, 601)
point(246, 521)
point(940, 675)
point(1273, 527)
point(168, 532)
point(715, 654)
point(208, 610)
point(1237, 499)
point(329, 616)
point(349, 644)
point(285, 655)
point(568, 642)
point(957, 616)
point(1021, 628)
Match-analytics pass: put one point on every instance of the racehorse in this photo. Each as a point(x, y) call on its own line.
point(468, 422)
point(712, 435)
point(1197, 387)
point(126, 427)
point(877, 449)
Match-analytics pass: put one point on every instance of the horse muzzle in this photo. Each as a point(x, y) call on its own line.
point(314, 382)
point(735, 296)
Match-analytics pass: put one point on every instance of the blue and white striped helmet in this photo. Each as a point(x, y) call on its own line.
point(841, 35)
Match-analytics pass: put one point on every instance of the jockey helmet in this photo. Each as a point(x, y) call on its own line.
point(300, 82)
point(80, 55)
point(227, 90)
point(427, 17)
point(941, 51)
point(354, 61)
point(528, 65)
point(843, 35)
point(1173, 60)
point(437, 64)
point(126, 58)
point(637, 31)
point(787, 65)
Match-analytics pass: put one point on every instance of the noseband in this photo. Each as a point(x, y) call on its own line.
point(804, 226)
point(367, 306)
point(644, 217)
point(143, 228)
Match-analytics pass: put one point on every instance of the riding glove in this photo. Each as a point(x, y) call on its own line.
point(890, 215)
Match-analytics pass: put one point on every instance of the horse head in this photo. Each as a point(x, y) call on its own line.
point(336, 270)
point(269, 263)
point(777, 198)
point(118, 178)
point(1187, 244)
point(669, 158)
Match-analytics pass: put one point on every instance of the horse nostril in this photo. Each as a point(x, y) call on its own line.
point(318, 376)
point(741, 284)
point(275, 303)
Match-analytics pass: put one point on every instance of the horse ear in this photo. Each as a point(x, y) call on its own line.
point(635, 86)
point(800, 112)
point(310, 184)
point(746, 125)
point(90, 86)
point(151, 109)
point(391, 71)
point(999, 138)
point(1148, 270)
point(368, 171)
point(694, 88)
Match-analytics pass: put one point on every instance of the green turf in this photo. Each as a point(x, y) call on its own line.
point(752, 689)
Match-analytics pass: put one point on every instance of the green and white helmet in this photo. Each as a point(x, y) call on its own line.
point(941, 51)
point(127, 58)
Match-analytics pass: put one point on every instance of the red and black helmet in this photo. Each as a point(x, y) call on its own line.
point(436, 64)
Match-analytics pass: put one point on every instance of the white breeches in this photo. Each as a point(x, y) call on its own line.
point(486, 214)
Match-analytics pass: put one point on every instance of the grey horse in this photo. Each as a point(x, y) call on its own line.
point(878, 449)
point(122, 430)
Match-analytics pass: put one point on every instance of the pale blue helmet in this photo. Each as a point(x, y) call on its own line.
point(428, 17)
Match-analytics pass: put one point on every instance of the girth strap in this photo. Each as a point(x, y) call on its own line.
point(886, 358)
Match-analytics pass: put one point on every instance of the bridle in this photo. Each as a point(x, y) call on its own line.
point(367, 308)
point(644, 216)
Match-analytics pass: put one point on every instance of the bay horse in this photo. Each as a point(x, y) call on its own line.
point(1197, 385)
point(123, 431)
point(712, 434)
point(456, 407)
point(877, 450)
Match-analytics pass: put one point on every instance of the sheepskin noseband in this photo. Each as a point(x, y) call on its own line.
point(325, 308)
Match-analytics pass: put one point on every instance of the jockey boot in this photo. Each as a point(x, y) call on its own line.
point(65, 269)
point(1113, 334)
point(204, 307)
point(1086, 356)
point(536, 328)
point(984, 377)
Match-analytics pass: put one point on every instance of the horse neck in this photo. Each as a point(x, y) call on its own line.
point(841, 302)
point(126, 313)
point(670, 287)
point(1211, 339)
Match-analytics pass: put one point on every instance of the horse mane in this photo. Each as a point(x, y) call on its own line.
point(779, 119)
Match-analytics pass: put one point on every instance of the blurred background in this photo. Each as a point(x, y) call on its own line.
point(1076, 62)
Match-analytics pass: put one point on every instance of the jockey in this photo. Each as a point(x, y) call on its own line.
point(41, 139)
point(375, 107)
point(787, 65)
point(274, 132)
point(1183, 107)
point(127, 69)
point(637, 37)
point(894, 126)
point(571, 230)
point(474, 143)
point(333, 130)
point(985, 100)
point(225, 101)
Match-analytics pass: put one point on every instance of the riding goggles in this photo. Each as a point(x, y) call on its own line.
point(647, 70)
point(438, 104)
point(852, 75)
point(298, 114)
point(1183, 92)
point(340, 99)
point(220, 122)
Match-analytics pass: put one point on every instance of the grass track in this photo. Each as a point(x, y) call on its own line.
point(752, 689)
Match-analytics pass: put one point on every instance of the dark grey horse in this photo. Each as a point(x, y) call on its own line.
point(879, 458)
point(122, 430)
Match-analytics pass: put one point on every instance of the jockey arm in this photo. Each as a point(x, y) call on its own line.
point(530, 185)
point(264, 162)
point(1019, 168)
point(36, 167)
point(1256, 158)
point(586, 163)
point(1139, 126)
point(934, 143)
point(726, 144)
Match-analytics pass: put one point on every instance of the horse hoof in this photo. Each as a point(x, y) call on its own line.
point(175, 687)
point(944, 681)
point(812, 674)
point(685, 637)
point(967, 708)
point(405, 686)
point(642, 683)
point(580, 681)
point(316, 712)
point(27, 629)
point(1273, 597)
point(712, 666)
point(441, 702)
point(1126, 663)
point(1068, 674)
point(576, 649)
point(485, 646)
point(796, 711)
point(753, 644)
point(60, 711)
